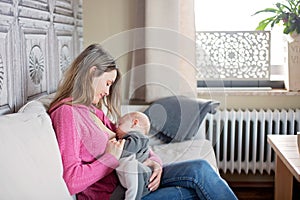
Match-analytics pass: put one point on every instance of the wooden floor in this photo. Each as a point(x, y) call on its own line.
point(259, 190)
point(254, 193)
point(251, 187)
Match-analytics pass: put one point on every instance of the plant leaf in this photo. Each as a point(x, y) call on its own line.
point(287, 12)
point(264, 23)
point(272, 10)
point(280, 7)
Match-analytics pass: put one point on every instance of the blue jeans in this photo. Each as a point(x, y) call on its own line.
point(191, 180)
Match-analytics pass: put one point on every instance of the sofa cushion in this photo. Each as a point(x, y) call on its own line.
point(178, 118)
point(187, 150)
point(31, 165)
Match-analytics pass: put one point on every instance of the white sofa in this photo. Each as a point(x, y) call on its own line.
point(31, 165)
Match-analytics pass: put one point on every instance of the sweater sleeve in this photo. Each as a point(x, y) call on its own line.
point(77, 174)
point(154, 157)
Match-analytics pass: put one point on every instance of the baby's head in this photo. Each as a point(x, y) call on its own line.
point(133, 121)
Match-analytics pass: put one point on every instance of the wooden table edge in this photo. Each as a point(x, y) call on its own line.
point(283, 158)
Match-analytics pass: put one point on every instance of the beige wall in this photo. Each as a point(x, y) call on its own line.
point(254, 100)
point(264, 101)
point(105, 18)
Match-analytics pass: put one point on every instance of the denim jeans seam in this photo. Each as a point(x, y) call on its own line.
point(193, 180)
point(182, 197)
point(179, 192)
point(202, 189)
point(177, 179)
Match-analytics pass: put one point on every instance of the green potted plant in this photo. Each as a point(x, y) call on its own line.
point(287, 13)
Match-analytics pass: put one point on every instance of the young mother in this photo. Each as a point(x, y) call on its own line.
point(89, 157)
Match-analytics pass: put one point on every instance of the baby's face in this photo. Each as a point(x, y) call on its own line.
point(131, 122)
point(122, 128)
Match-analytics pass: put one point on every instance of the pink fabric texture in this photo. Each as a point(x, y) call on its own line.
point(88, 170)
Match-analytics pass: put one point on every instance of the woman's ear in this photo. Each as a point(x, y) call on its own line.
point(93, 69)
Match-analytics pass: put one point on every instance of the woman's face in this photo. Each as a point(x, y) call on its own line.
point(102, 85)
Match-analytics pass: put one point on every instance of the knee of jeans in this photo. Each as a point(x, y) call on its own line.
point(201, 164)
point(186, 193)
point(201, 167)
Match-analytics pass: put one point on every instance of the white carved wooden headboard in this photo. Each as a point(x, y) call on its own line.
point(38, 40)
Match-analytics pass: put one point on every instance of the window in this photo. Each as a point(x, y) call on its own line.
point(237, 16)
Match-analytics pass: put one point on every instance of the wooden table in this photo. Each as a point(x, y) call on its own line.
point(287, 164)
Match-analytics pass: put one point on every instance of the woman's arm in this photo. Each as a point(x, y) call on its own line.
point(155, 163)
point(77, 175)
point(154, 157)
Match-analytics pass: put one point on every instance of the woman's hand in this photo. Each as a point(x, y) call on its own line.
point(115, 147)
point(156, 174)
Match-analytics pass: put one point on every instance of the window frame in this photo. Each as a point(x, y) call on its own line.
point(276, 70)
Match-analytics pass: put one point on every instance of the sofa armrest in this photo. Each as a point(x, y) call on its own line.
point(31, 165)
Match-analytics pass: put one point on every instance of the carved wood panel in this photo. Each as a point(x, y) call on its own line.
point(6, 67)
point(6, 104)
point(38, 41)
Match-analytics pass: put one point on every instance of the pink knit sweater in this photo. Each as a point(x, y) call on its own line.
point(88, 170)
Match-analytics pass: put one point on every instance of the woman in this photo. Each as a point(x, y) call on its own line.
point(89, 157)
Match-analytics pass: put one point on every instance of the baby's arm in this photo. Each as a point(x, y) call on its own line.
point(135, 142)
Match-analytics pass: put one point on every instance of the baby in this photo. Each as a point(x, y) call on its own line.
point(133, 175)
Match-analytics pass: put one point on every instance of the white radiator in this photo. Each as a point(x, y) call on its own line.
point(239, 137)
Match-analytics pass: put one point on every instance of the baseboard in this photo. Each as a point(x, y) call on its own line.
point(251, 186)
point(249, 180)
point(248, 184)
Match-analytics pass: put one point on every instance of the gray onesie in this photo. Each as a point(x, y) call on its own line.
point(133, 175)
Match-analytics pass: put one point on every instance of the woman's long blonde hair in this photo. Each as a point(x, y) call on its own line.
point(77, 81)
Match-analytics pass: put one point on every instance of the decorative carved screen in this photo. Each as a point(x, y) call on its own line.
point(38, 40)
point(233, 55)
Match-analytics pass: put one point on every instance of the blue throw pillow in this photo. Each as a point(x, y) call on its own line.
point(177, 118)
